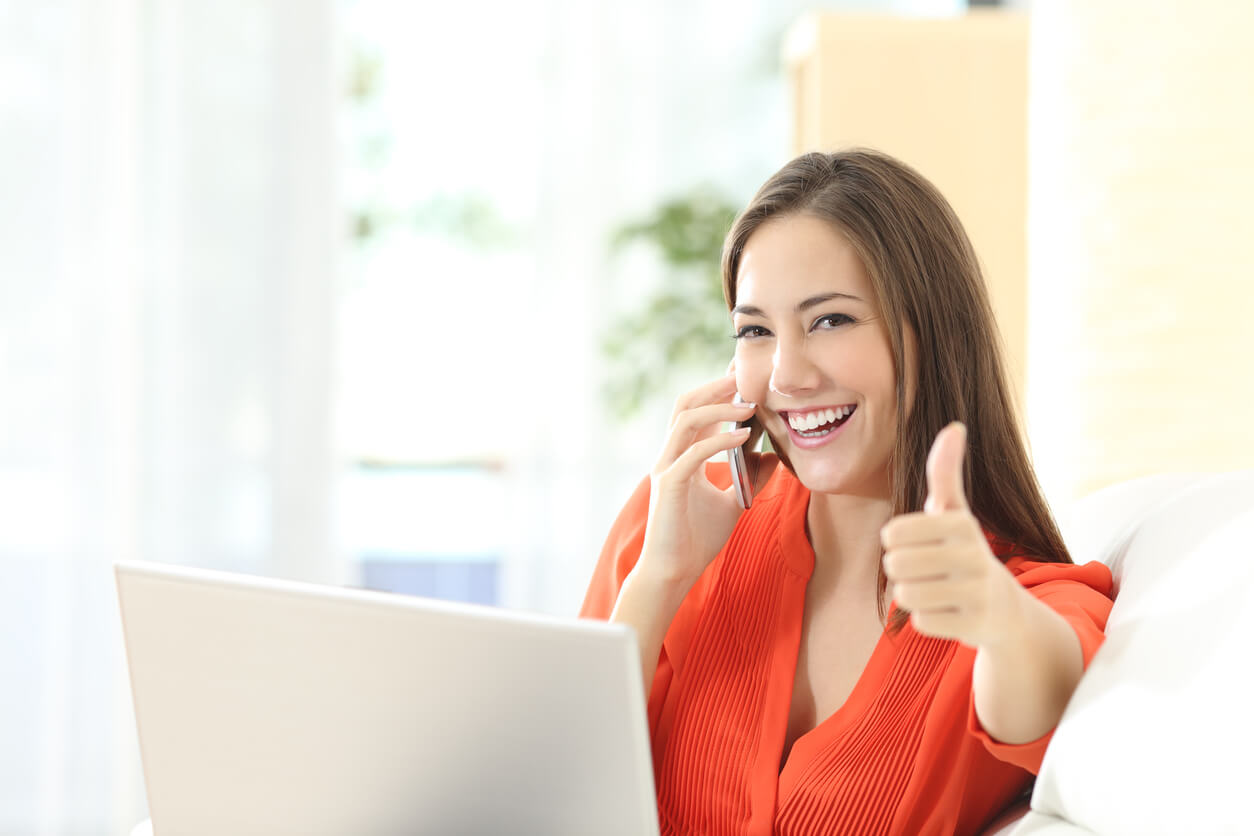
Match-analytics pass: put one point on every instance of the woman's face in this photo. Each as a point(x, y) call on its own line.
point(813, 352)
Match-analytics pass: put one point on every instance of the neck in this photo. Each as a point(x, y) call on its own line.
point(844, 530)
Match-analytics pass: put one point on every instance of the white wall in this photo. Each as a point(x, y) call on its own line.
point(1139, 220)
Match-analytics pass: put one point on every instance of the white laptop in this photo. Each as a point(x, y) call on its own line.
point(275, 707)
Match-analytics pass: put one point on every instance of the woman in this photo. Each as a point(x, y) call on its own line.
point(885, 641)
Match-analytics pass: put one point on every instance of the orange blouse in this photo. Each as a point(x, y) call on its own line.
point(905, 754)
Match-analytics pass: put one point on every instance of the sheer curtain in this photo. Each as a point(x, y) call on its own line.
point(167, 247)
point(168, 242)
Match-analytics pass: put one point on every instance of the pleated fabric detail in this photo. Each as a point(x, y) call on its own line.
point(903, 756)
point(702, 770)
point(864, 772)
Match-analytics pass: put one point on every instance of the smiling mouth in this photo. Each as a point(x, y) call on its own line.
point(819, 422)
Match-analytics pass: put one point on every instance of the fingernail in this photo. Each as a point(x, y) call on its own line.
point(741, 431)
point(745, 404)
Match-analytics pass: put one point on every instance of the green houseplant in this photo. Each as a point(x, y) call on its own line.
point(682, 327)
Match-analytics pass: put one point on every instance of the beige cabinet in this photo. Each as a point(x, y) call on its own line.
point(949, 97)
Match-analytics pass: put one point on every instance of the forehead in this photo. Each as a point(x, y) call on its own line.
point(795, 257)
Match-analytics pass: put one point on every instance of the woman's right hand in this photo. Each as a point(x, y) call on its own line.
point(689, 518)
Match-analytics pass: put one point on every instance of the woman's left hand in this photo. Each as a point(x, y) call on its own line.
point(939, 564)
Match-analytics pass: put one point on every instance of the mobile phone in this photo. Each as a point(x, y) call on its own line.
point(740, 469)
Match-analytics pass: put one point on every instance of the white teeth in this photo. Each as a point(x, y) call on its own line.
point(812, 420)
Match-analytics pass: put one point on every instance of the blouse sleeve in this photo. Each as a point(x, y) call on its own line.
point(618, 555)
point(626, 539)
point(1081, 595)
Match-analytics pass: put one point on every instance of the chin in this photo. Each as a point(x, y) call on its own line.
point(823, 479)
point(829, 477)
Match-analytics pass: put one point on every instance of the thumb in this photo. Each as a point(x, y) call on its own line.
point(945, 490)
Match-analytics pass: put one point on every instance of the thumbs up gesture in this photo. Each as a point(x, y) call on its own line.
point(938, 562)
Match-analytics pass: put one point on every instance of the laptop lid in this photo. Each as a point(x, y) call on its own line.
point(268, 706)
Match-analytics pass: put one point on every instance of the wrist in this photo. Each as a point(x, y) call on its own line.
point(662, 577)
point(649, 600)
point(1014, 626)
point(1023, 680)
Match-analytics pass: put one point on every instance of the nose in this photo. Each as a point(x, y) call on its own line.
point(793, 373)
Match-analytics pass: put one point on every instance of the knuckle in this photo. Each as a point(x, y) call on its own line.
point(905, 595)
point(895, 531)
point(708, 446)
point(965, 524)
point(683, 419)
point(891, 561)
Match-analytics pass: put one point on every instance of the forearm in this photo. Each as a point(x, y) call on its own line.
point(1023, 681)
point(648, 602)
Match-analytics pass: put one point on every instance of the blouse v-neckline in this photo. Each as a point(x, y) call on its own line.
point(798, 553)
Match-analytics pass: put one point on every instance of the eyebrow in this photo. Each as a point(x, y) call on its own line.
point(804, 305)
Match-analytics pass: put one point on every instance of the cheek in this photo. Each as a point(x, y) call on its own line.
point(753, 374)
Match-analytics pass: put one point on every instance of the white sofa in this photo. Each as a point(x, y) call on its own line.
point(1159, 736)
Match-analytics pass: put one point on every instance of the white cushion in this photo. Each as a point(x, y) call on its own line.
point(1155, 739)
point(1039, 824)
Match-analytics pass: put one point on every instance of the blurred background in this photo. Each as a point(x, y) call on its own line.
point(399, 294)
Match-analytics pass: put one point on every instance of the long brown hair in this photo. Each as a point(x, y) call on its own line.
point(926, 276)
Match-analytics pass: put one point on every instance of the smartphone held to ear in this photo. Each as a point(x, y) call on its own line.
point(741, 479)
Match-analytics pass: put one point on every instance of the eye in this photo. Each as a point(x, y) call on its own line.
point(834, 320)
point(748, 332)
